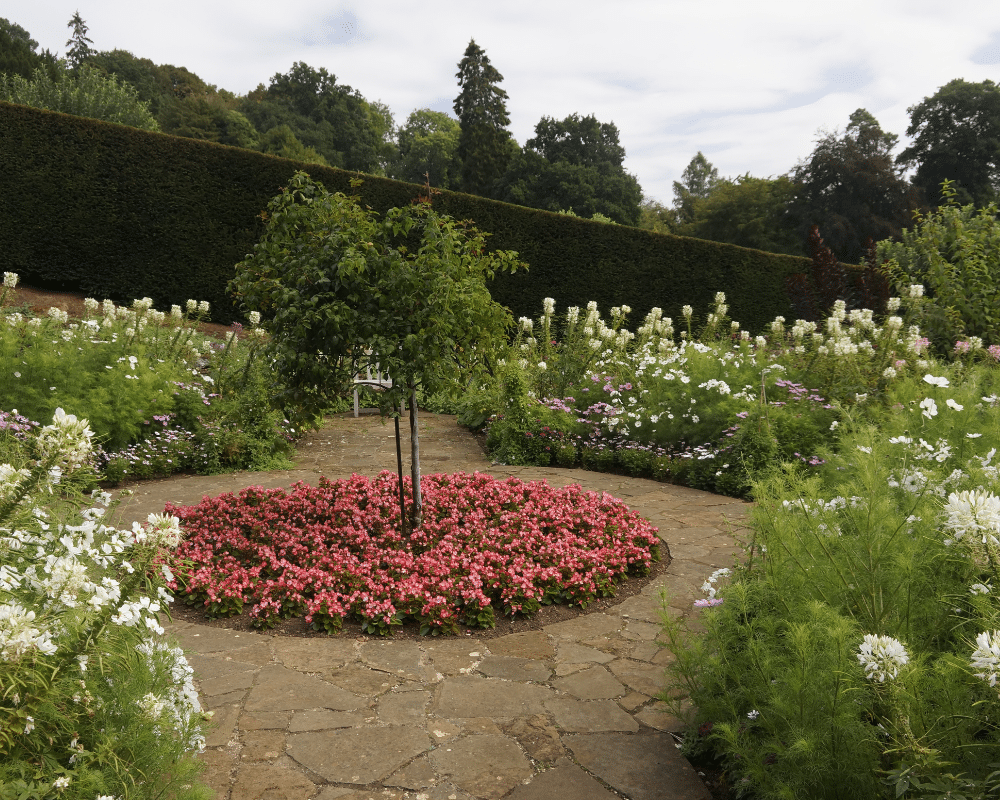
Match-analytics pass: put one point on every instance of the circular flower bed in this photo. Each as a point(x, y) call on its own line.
point(336, 551)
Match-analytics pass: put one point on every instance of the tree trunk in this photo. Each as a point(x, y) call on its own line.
point(399, 473)
point(415, 459)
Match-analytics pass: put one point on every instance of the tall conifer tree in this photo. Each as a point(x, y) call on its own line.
point(484, 144)
point(79, 45)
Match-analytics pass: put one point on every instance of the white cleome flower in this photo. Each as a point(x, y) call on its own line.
point(986, 656)
point(67, 438)
point(882, 657)
point(973, 512)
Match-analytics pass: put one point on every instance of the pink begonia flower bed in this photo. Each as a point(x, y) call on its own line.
point(336, 552)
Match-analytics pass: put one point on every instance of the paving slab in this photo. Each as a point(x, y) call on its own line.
point(357, 755)
point(593, 683)
point(485, 766)
point(577, 716)
point(568, 781)
point(282, 689)
point(640, 767)
point(510, 668)
point(470, 696)
point(270, 782)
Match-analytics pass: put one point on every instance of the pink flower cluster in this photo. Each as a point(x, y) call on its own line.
point(336, 551)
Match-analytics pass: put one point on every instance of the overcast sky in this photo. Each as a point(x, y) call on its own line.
point(748, 84)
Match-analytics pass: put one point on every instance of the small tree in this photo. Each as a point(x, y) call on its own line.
point(341, 289)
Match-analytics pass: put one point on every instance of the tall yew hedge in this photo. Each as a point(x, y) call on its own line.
point(117, 212)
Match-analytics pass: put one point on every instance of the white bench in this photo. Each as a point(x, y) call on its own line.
point(374, 379)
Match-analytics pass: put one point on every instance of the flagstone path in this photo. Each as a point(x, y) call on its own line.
point(565, 712)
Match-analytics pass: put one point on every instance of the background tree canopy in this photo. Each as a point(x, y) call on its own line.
point(853, 189)
point(428, 146)
point(574, 164)
point(956, 137)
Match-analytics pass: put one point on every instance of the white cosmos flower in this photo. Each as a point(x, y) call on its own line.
point(952, 404)
point(929, 407)
point(882, 657)
point(936, 381)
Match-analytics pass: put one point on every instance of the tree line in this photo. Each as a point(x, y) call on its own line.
point(852, 185)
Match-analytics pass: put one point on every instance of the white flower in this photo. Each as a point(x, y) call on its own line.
point(176, 312)
point(10, 279)
point(687, 311)
point(980, 588)
point(973, 512)
point(986, 656)
point(935, 381)
point(929, 408)
point(526, 324)
point(66, 438)
point(254, 317)
point(164, 530)
point(833, 425)
point(752, 715)
point(889, 373)
point(916, 290)
point(952, 404)
point(893, 304)
point(882, 657)
point(192, 306)
point(549, 306)
point(203, 307)
point(541, 365)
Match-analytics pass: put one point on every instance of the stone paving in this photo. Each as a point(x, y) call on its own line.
point(568, 711)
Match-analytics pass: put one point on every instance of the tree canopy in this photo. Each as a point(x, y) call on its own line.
point(87, 94)
point(697, 182)
point(574, 164)
point(18, 54)
point(956, 137)
point(853, 189)
point(428, 145)
point(331, 118)
point(481, 107)
point(340, 288)
point(749, 212)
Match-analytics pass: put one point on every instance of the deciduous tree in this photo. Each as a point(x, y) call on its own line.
point(749, 212)
point(574, 164)
point(697, 182)
point(87, 94)
point(853, 189)
point(956, 137)
point(428, 146)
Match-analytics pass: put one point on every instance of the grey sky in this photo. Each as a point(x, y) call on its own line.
point(748, 84)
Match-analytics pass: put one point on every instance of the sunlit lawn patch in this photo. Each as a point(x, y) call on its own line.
point(336, 551)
